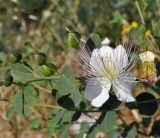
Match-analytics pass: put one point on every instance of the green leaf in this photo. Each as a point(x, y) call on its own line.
point(65, 101)
point(64, 131)
point(94, 40)
point(111, 103)
point(116, 19)
point(156, 28)
point(114, 133)
point(28, 95)
point(133, 132)
point(145, 3)
point(155, 129)
point(28, 44)
point(146, 108)
point(10, 112)
point(45, 48)
point(3, 57)
point(21, 72)
point(105, 123)
point(18, 103)
point(108, 122)
point(58, 117)
point(24, 97)
point(72, 40)
point(137, 35)
point(35, 124)
point(67, 85)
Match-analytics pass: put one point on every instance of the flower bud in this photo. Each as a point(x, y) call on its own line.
point(15, 57)
point(147, 67)
point(147, 56)
point(40, 58)
point(35, 93)
point(7, 80)
point(73, 40)
point(49, 69)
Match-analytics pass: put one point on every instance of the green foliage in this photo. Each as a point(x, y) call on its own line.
point(35, 124)
point(137, 34)
point(24, 98)
point(133, 132)
point(48, 69)
point(3, 58)
point(40, 58)
point(94, 40)
point(156, 29)
point(147, 109)
point(73, 40)
point(10, 112)
point(7, 80)
point(67, 85)
point(37, 82)
point(21, 72)
point(15, 57)
point(105, 123)
point(114, 133)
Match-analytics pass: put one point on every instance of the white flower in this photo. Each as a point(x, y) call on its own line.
point(107, 67)
point(147, 56)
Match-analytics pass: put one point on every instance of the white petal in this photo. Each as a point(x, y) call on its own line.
point(122, 89)
point(92, 90)
point(97, 92)
point(117, 58)
point(101, 99)
point(103, 96)
point(105, 42)
point(106, 51)
point(109, 61)
point(96, 63)
point(121, 57)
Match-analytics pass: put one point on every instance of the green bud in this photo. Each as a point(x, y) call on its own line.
point(49, 69)
point(40, 58)
point(73, 40)
point(35, 93)
point(7, 80)
point(15, 57)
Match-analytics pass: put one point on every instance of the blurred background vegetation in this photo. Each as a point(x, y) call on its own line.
point(43, 23)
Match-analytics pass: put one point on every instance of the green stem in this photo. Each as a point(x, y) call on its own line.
point(45, 105)
point(59, 107)
point(87, 110)
point(41, 79)
point(41, 88)
point(140, 12)
point(30, 70)
point(36, 85)
point(59, 123)
point(23, 99)
point(67, 29)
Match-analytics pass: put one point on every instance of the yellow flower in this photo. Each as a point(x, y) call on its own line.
point(134, 24)
point(126, 28)
point(148, 32)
